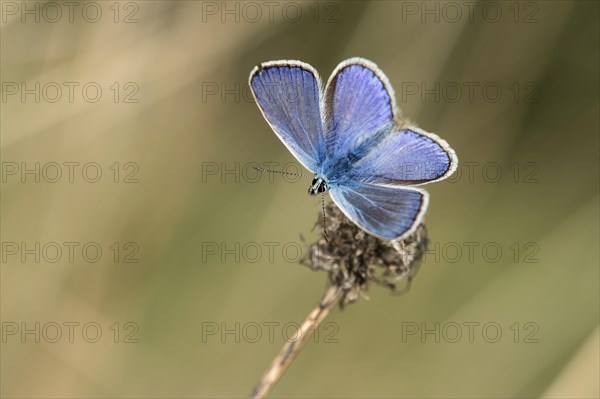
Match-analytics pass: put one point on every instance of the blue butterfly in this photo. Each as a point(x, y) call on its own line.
point(351, 136)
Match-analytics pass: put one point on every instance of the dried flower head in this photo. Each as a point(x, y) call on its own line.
point(353, 258)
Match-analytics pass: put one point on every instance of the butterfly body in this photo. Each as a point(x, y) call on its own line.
point(318, 185)
point(350, 135)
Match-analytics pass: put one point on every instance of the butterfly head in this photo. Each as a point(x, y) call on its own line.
point(318, 185)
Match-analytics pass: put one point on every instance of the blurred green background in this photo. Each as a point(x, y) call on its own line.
point(175, 115)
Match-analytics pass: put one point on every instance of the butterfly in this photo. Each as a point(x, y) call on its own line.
point(351, 136)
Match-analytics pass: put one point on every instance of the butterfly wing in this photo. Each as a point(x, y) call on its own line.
point(362, 124)
point(360, 108)
point(386, 212)
point(288, 94)
point(410, 156)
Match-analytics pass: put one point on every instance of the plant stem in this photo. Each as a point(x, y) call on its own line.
point(292, 348)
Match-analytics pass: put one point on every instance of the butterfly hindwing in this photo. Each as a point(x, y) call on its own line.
point(288, 94)
point(383, 211)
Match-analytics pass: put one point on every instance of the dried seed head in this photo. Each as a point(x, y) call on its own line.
point(353, 258)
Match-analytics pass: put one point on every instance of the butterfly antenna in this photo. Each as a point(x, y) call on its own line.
point(280, 172)
point(324, 220)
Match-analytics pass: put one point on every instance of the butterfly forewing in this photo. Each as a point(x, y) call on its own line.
point(289, 95)
point(359, 104)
